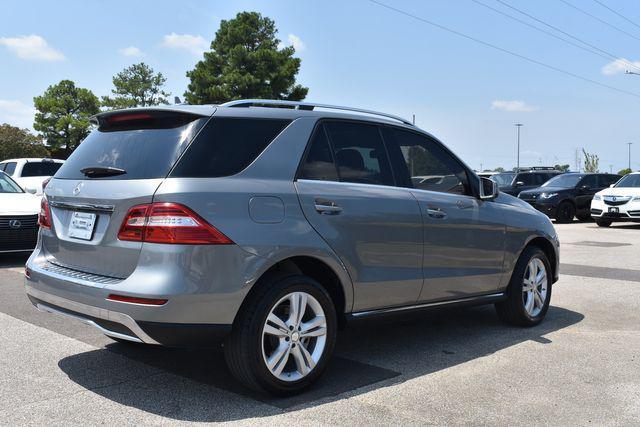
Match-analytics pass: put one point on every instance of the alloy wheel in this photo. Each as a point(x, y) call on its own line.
point(294, 336)
point(534, 287)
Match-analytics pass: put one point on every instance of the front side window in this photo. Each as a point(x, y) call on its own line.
point(10, 168)
point(359, 153)
point(319, 164)
point(420, 162)
point(590, 181)
point(527, 179)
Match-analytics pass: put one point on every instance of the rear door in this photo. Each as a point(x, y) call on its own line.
point(372, 225)
point(463, 236)
point(586, 188)
point(88, 208)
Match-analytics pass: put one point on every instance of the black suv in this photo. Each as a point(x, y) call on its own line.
point(526, 180)
point(568, 195)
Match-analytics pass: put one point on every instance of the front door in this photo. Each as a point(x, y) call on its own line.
point(463, 236)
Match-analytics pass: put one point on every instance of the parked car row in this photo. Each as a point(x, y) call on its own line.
point(31, 174)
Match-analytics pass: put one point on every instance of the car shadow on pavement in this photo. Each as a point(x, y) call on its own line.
point(195, 385)
point(12, 260)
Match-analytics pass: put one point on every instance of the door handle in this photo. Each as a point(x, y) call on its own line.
point(436, 213)
point(327, 207)
point(462, 205)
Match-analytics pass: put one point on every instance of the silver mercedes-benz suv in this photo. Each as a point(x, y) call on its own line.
point(268, 225)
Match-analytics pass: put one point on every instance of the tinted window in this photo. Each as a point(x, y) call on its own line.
point(10, 168)
point(359, 153)
point(420, 162)
point(40, 169)
point(2, 165)
point(503, 179)
point(527, 178)
point(319, 163)
point(226, 146)
point(143, 150)
point(569, 180)
point(607, 180)
point(590, 180)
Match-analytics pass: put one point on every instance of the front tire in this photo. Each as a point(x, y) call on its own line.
point(565, 213)
point(529, 291)
point(603, 222)
point(284, 336)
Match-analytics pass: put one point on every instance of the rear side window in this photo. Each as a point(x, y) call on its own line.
point(359, 153)
point(40, 169)
point(145, 149)
point(10, 168)
point(226, 146)
point(607, 180)
point(527, 179)
point(590, 181)
point(319, 164)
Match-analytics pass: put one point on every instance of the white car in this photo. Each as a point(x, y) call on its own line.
point(30, 174)
point(18, 217)
point(620, 202)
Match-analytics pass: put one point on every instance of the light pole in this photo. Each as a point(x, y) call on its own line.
point(629, 144)
point(518, 126)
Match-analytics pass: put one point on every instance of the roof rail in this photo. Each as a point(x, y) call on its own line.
point(306, 106)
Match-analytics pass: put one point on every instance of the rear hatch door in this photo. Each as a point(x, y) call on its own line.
point(119, 165)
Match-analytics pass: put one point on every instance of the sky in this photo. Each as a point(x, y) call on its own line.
point(358, 53)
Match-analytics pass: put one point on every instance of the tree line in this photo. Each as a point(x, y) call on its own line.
point(245, 60)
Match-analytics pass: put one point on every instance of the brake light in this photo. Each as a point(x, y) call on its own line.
point(127, 117)
point(170, 223)
point(136, 300)
point(44, 218)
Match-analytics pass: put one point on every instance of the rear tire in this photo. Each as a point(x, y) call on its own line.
point(529, 291)
point(603, 222)
point(275, 349)
point(565, 212)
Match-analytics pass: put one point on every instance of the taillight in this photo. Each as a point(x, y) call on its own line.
point(169, 223)
point(44, 219)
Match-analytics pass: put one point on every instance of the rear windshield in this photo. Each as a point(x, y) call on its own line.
point(144, 150)
point(40, 169)
point(226, 146)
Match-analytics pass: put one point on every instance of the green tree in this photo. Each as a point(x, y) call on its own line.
point(499, 169)
point(245, 62)
point(137, 86)
point(562, 168)
point(591, 161)
point(624, 171)
point(63, 115)
point(17, 143)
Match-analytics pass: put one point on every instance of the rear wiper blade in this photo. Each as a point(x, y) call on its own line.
point(102, 171)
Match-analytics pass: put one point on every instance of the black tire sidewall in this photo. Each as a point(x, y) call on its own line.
point(571, 212)
point(254, 344)
point(603, 223)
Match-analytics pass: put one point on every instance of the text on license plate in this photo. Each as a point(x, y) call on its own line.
point(81, 225)
point(614, 210)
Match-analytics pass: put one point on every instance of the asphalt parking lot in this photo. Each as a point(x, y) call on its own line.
point(581, 366)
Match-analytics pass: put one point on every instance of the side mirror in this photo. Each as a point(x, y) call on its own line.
point(31, 190)
point(488, 189)
point(519, 184)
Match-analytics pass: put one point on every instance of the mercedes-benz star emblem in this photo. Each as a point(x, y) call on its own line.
point(76, 190)
point(15, 224)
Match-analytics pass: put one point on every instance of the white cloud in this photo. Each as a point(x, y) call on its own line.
point(296, 42)
point(619, 66)
point(518, 106)
point(130, 51)
point(31, 48)
point(16, 113)
point(196, 45)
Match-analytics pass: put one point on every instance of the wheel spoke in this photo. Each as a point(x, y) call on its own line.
point(300, 360)
point(541, 277)
point(307, 357)
point(279, 358)
point(277, 321)
point(530, 302)
point(538, 299)
point(527, 285)
point(298, 301)
point(268, 329)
